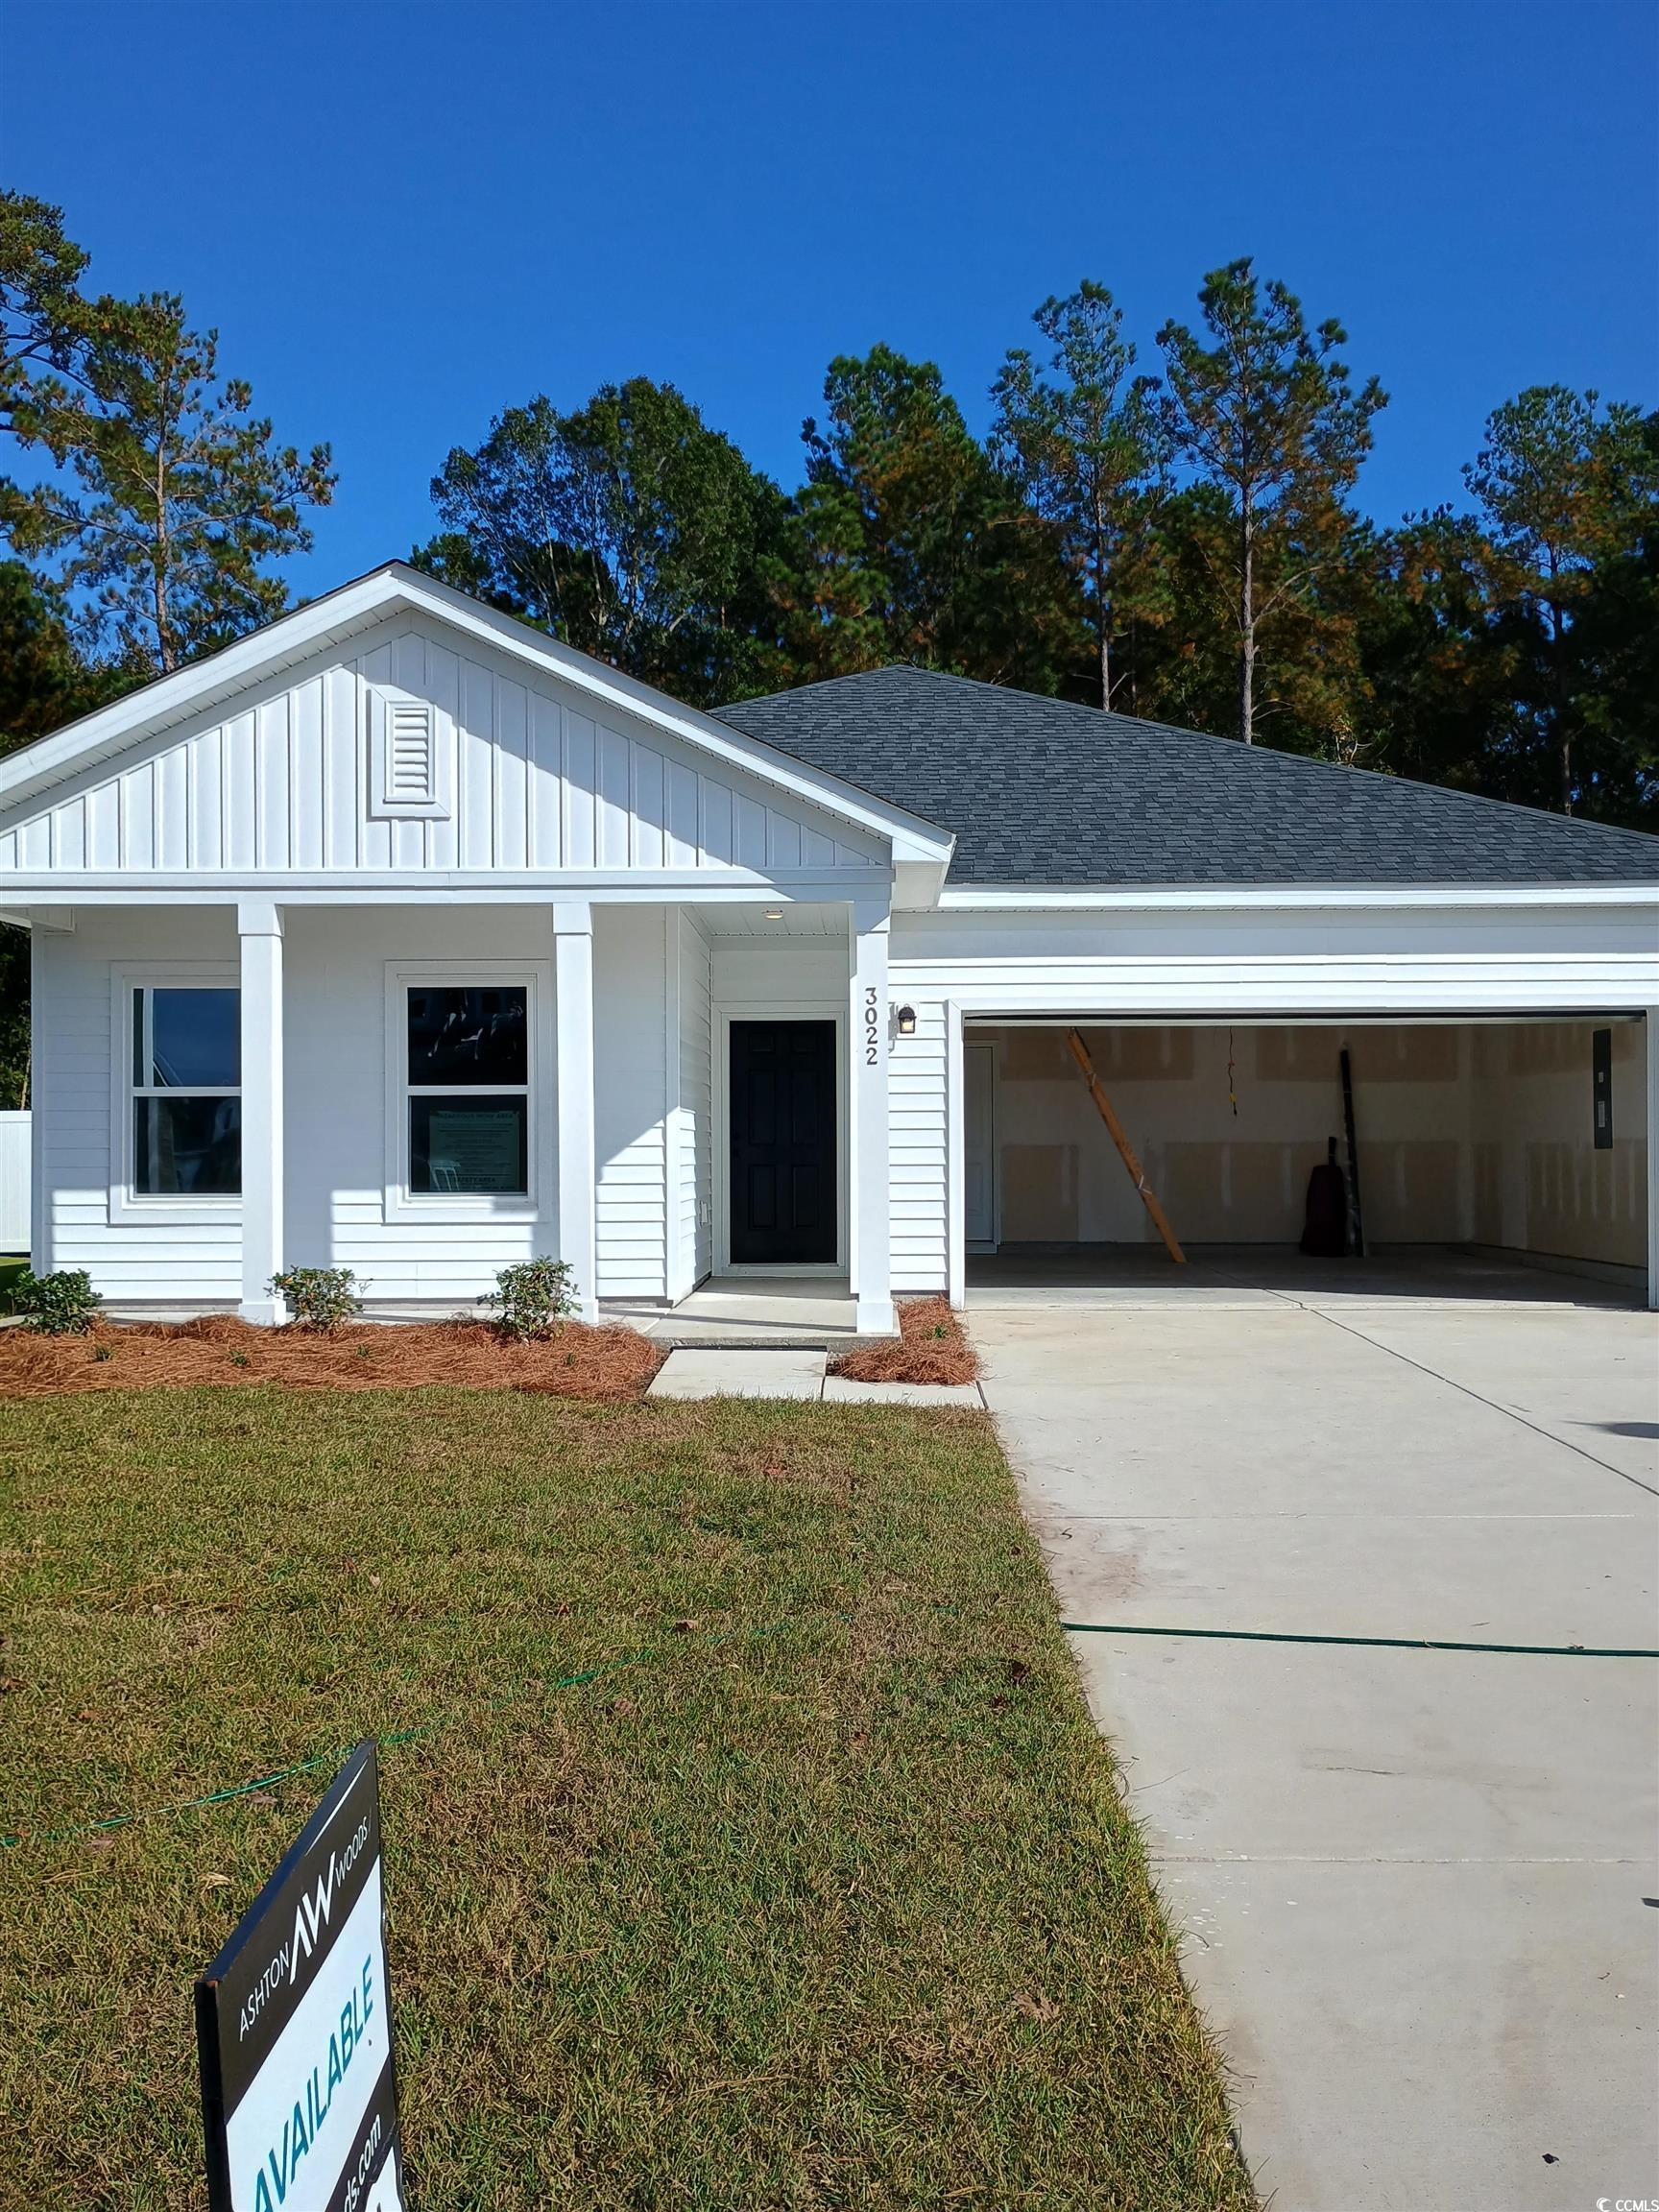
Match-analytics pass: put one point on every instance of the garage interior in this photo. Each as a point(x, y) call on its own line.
point(1496, 1157)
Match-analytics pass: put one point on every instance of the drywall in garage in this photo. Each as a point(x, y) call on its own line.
point(1466, 1134)
point(1538, 1183)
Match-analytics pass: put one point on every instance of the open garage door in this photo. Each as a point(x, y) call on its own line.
point(1484, 1147)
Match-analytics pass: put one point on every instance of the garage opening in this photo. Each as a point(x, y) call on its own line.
point(1491, 1154)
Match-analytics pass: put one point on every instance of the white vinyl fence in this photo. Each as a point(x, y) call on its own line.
point(14, 1179)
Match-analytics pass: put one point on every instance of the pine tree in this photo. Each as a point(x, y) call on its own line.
point(1564, 485)
point(1266, 416)
point(170, 496)
point(906, 541)
point(1088, 451)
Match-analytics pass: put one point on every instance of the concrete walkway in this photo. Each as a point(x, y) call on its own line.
point(733, 1371)
point(1416, 1888)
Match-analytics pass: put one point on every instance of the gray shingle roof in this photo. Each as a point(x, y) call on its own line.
point(1043, 791)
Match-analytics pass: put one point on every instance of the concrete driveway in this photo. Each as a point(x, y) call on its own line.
point(1416, 1888)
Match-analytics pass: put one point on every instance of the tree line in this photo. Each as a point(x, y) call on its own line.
point(1177, 538)
point(1180, 542)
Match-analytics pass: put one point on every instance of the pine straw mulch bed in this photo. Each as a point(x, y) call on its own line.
point(575, 1362)
point(931, 1348)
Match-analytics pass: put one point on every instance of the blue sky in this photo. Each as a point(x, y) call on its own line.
point(403, 217)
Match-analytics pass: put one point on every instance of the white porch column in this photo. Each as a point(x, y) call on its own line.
point(573, 1081)
point(259, 926)
point(869, 1213)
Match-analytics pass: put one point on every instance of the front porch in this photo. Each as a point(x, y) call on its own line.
point(425, 1094)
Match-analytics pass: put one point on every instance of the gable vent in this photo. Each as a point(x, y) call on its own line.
point(411, 753)
point(409, 766)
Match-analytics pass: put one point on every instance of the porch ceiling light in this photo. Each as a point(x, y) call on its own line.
point(774, 913)
point(907, 1020)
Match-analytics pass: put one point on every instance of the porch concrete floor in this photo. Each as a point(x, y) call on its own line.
point(1240, 1275)
point(759, 1309)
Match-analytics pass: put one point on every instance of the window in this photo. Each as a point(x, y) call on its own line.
point(186, 1092)
point(469, 1078)
point(468, 1089)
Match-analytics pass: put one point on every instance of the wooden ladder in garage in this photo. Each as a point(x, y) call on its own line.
point(1136, 1174)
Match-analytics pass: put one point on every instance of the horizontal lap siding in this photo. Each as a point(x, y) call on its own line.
point(192, 1263)
point(337, 1137)
point(917, 1160)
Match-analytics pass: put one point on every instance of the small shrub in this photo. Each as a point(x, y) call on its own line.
point(532, 1297)
point(321, 1298)
point(60, 1304)
point(103, 1350)
point(238, 1358)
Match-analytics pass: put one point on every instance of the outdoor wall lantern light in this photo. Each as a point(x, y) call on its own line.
point(906, 1021)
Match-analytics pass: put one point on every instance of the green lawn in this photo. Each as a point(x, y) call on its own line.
point(827, 1901)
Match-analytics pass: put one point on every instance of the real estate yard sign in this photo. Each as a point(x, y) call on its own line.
point(294, 2025)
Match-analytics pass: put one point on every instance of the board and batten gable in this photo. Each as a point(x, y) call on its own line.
point(526, 776)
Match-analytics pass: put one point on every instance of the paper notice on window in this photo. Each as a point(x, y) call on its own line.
point(475, 1150)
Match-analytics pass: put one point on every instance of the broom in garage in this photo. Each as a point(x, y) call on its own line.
point(1332, 1224)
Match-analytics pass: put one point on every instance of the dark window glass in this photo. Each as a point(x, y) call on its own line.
point(469, 1143)
point(459, 1037)
point(196, 1039)
point(185, 1145)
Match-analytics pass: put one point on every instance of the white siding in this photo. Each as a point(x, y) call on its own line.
point(630, 1040)
point(694, 1196)
point(72, 1016)
point(532, 782)
point(918, 1157)
point(335, 965)
point(337, 1140)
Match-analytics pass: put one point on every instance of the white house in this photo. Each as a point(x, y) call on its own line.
point(400, 937)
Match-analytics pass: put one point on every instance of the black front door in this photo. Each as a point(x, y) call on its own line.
point(783, 1143)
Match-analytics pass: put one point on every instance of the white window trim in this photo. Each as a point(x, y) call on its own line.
point(128, 1206)
point(534, 977)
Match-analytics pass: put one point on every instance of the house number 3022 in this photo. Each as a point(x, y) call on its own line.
point(872, 1027)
